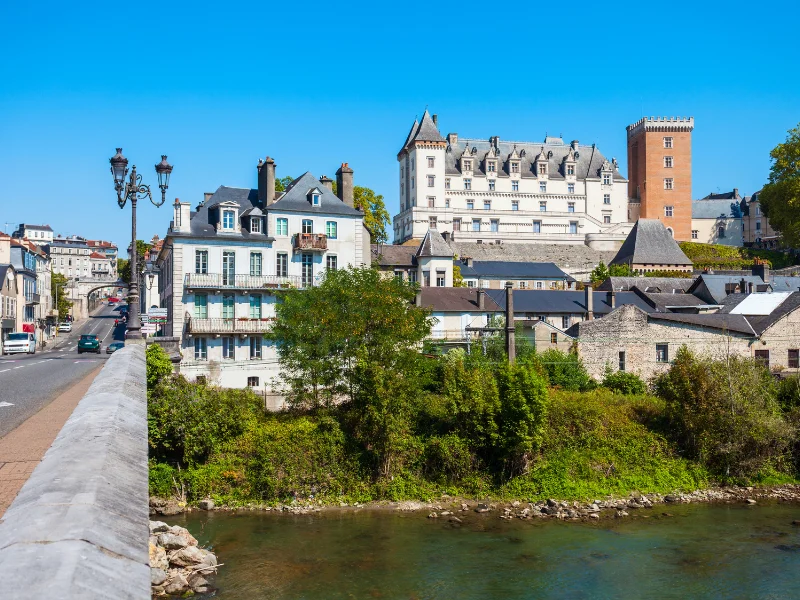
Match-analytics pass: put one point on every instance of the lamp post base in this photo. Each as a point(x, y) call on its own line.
point(134, 337)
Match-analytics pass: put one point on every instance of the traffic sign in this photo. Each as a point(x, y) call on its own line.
point(161, 312)
point(148, 329)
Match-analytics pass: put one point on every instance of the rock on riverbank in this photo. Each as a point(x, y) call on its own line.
point(178, 567)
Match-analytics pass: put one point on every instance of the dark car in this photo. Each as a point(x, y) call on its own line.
point(88, 343)
point(111, 348)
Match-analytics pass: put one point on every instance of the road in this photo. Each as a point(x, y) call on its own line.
point(28, 382)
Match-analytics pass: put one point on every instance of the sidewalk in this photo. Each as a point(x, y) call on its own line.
point(23, 448)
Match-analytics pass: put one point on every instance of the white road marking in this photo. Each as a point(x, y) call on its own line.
point(2, 404)
point(5, 370)
point(20, 367)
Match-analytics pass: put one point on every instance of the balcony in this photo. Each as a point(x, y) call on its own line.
point(313, 242)
point(221, 281)
point(32, 299)
point(229, 326)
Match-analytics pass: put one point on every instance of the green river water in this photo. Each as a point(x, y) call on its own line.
point(727, 551)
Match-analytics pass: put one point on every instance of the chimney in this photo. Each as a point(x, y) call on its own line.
point(446, 236)
point(735, 193)
point(327, 182)
point(180, 218)
point(743, 286)
point(761, 269)
point(574, 144)
point(481, 299)
point(468, 261)
point(266, 182)
point(589, 303)
point(510, 342)
point(750, 288)
point(207, 196)
point(344, 184)
point(611, 298)
point(435, 120)
point(452, 138)
point(418, 298)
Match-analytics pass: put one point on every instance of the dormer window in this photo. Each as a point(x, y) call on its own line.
point(255, 225)
point(571, 170)
point(491, 166)
point(467, 164)
point(228, 218)
point(515, 166)
point(606, 178)
point(315, 199)
point(314, 196)
point(542, 168)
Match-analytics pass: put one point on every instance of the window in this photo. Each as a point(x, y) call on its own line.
point(668, 211)
point(412, 164)
point(412, 276)
point(228, 348)
point(565, 322)
point(491, 185)
point(543, 187)
point(758, 225)
point(331, 263)
point(255, 306)
point(495, 225)
point(470, 204)
point(431, 180)
point(308, 226)
point(622, 360)
point(255, 348)
point(553, 338)
point(794, 358)
point(200, 261)
point(201, 306)
point(468, 184)
point(447, 202)
point(426, 278)
point(762, 358)
point(227, 219)
point(228, 301)
point(282, 265)
point(542, 169)
point(282, 227)
point(606, 198)
point(606, 178)
point(200, 348)
point(307, 270)
point(668, 183)
point(570, 188)
point(758, 211)
point(431, 162)
point(255, 225)
point(331, 229)
point(456, 224)
point(431, 201)
point(515, 186)
point(476, 224)
point(468, 165)
point(570, 169)
point(412, 183)
point(252, 381)
point(667, 142)
point(315, 199)
point(537, 227)
point(540, 286)
point(695, 233)
point(491, 166)
point(606, 219)
point(447, 183)
point(662, 353)
point(487, 205)
point(228, 267)
point(571, 207)
point(543, 206)
point(514, 167)
point(431, 222)
point(440, 278)
point(721, 231)
point(255, 263)
point(573, 227)
point(515, 205)
point(667, 162)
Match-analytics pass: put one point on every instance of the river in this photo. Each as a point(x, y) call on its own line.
point(700, 551)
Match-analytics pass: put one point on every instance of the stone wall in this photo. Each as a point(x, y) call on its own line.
point(780, 338)
point(79, 527)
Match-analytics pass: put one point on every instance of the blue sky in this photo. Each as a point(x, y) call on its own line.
point(216, 86)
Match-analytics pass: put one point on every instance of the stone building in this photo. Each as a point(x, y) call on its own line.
point(717, 219)
point(651, 247)
point(38, 234)
point(756, 229)
point(493, 190)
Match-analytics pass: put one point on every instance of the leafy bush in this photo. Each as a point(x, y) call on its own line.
point(624, 382)
point(159, 365)
point(564, 370)
point(448, 458)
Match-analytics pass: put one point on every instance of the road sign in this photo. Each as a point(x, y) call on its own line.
point(161, 312)
point(145, 319)
point(148, 329)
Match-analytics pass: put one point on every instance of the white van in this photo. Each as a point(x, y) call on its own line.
point(19, 342)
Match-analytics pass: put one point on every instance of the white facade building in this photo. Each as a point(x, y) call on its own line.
point(221, 266)
point(70, 257)
point(489, 191)
point(38, 234)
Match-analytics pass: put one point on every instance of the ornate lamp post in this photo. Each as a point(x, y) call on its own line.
point(134, 190)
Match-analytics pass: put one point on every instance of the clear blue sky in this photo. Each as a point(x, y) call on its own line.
point(217, 86)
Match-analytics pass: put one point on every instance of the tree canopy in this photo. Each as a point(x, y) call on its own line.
point(58, 289)
point(602, 272)
point(376, 217)
point(780, 198)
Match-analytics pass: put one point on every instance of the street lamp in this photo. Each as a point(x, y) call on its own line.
point(134, 190)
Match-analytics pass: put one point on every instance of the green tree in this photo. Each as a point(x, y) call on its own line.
point(602, 272)
point(282, 183)
point(58, 289)
point(158, 363)
point(458, 279)
point(124, 269)
point(355, 316)
point(123, 265)
point(780, 198)
point(376, 217)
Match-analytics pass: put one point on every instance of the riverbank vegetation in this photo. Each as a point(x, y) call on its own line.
point(371, 418)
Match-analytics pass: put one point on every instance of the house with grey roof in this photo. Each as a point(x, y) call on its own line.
point(651, 247)
point(483, 190)
point(756, 228)
point(38, 234)
point(222, 264)
point(717, 219)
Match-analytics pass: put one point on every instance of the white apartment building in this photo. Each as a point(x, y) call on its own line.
point(38, 234)
point(495, 191)
point(70, 257)
point(222, 266)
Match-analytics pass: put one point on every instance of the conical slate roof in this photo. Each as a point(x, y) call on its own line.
point(433, 244)
point(427, 130)
point(650, 243)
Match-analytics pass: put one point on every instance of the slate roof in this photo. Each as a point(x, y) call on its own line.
point(23, 226)
point(488, 269)
point(664, 285)
point(650, 243)
point(715, 285)
point(433, 244)
point(713, 209)
point(761, 324)
point(725, 322)
point(295, 199)
point(3, 270)
point(565, 256)
point(660, 301)
point(542, 302)
point(588, 164)
point(461, 300)
point(781, 283)
point(394, 256)
point(732, 195)
point(427, 130)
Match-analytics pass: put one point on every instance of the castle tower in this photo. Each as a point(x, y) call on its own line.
point(660, 171)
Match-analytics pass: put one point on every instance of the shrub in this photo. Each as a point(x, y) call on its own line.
point(564, 370)
point(159, 365)
point(624, 382)
point(162, 479)
point(448, 458)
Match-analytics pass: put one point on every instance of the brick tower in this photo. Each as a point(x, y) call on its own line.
point(660, 171)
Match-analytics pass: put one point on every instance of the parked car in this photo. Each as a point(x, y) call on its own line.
point(16, 343)
point(88, 343)
point(66, 326)
point(111, 348)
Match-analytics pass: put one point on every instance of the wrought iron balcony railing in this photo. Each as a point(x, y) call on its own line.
point(224, 281)
point(228, 326)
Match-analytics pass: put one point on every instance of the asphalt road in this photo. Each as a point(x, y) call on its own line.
point(28, 382)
